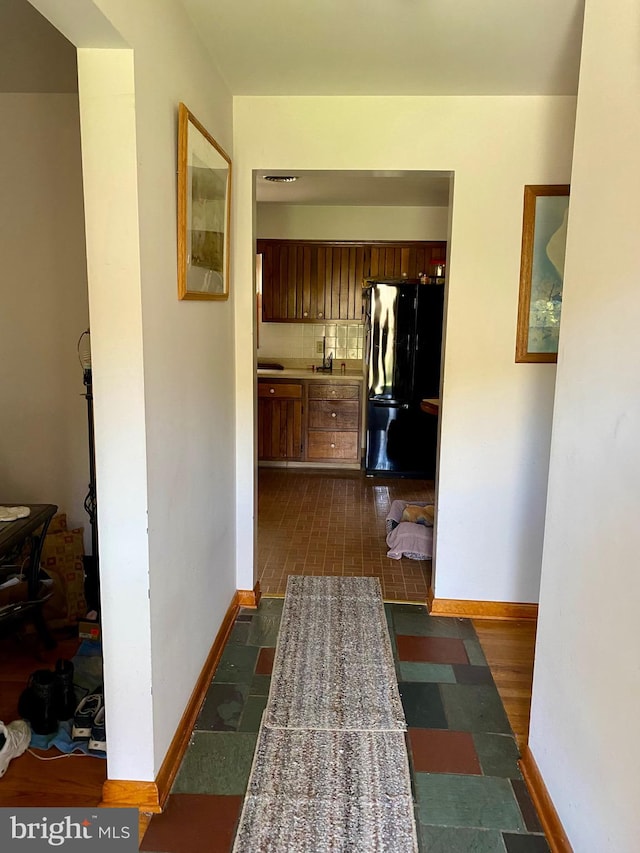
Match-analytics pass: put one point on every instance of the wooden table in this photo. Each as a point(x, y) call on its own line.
point(13, 536)
point(430, 406)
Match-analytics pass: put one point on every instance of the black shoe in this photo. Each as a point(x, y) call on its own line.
point(85, 715)
point(98, 739)
point(64, 692)
point(37, 703)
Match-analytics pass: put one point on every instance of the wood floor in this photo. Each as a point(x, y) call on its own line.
point(509, 648)
point(74, 780)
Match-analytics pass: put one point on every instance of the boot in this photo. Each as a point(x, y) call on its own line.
point(65, 697)
point(37, 702)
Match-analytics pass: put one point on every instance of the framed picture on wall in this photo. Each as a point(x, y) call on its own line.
point(544, 237)
point(204, 207)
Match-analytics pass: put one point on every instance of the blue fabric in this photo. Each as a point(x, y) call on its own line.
point(88, 648)
point(63, 741)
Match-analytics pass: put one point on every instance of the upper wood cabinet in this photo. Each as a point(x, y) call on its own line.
point(313, 281)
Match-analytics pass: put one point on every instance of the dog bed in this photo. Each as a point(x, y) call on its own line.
point(408, 538)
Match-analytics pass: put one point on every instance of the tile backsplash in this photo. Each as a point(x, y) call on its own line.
point(300, 340)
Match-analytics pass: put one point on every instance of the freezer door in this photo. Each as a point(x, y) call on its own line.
point(390, 316)
point(401, 440)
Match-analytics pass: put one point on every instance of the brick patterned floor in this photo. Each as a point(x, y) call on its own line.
point(333, 523)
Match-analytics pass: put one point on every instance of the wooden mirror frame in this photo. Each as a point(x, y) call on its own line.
point(531, 195)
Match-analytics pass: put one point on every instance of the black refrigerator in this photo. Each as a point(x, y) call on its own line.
point(403, 341)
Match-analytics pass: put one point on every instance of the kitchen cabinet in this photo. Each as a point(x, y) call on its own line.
point(279, 420)
point(333, 422)
point(315, 281)
point(311, 421)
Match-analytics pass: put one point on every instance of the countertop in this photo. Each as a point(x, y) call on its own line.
point(349, 375)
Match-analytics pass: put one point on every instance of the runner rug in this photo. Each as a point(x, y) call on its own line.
point(330, 771)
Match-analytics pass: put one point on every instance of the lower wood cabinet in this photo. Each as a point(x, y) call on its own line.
point(280, 420)
point(333, 422)
point(311, 421)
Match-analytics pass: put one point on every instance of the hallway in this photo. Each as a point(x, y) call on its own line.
point(468, 790)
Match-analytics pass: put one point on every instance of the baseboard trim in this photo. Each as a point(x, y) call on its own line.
point(151, 797)
point(430, 598)
point(125, 793)
point(483, 609)
point(250, 597)
point(556, 836)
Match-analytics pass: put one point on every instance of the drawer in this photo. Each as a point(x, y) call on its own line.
point(333, 391)
point(333, 445)
point(335, 415)
point(280, 389)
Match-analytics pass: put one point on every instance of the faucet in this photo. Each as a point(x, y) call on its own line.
point(327, 362)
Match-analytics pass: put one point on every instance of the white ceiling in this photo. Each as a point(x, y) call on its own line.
point(398, 47)
point(410, 189)
point(393, 47)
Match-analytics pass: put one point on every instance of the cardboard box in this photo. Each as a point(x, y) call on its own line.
point(89, 630)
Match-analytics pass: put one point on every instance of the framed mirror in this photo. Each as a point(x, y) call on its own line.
point(204, 206)
point(544, 237)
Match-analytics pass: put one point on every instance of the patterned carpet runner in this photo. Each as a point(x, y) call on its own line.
point(330, 772)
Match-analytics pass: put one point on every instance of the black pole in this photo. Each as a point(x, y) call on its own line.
point(90, 502)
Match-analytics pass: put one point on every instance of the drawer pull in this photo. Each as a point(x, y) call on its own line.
point(332, 445)
point(272, 390)
point(333, 414)
point(333, 391)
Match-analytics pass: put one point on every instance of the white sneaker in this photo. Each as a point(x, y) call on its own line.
point(17, 738)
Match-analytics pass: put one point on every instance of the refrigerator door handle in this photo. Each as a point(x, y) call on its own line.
point(388, 404)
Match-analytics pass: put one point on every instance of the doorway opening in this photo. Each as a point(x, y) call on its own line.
point(44, 418)
point(329, 470)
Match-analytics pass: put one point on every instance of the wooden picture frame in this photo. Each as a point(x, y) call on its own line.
point(204, 212)
point(544, 234)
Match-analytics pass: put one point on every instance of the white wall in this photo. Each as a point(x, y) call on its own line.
point(164, 372)
point(496, 414)
point(189, 376)
point(44, 456)
point(350, 222)
point(586, 690)
point(107, 103)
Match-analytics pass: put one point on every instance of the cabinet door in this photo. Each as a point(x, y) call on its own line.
point(396, 260)
point(279, 428)
point(279, 420)
point(349, 267)
point(317, 281)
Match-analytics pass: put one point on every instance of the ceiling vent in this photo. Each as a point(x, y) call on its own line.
point(281, 179)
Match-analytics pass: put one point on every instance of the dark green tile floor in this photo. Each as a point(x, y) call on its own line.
point(468, 790)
